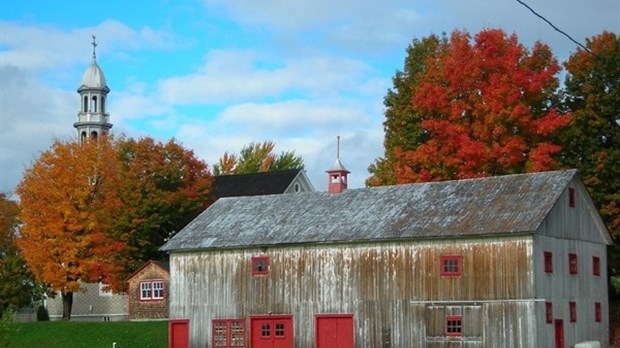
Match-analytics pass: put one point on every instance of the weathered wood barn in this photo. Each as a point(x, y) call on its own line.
point(510, 261)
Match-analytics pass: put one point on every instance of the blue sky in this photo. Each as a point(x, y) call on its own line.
point(216, 74)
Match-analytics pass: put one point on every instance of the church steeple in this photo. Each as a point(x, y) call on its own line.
point(93, 119)
point(337, 174)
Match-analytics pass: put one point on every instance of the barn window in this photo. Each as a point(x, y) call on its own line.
point(451, 265)
point(279, 332)
point(596, 266)
point(548, 312)
point(571, 197)
point(260, 265)
point(265, 330)
point(454, 325)
point(572, 263)
point(152, 290)
point(572, 309)
point(598, 313)
point(548, 262)
point(228, 333)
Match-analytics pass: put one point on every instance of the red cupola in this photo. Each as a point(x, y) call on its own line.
point(337, 174)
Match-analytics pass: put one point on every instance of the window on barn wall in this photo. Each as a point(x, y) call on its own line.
point(596, 266)
point(572, 309)
point(228, 333)
point(451, 265)
point(572, 263)
point(260, 265)
point(152, 290)
point(598, 313)
point(454, 325)
point(548, 312)
point(548, 262)
point(571, 197)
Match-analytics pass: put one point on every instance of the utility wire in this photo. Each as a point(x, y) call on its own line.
point(556, 28)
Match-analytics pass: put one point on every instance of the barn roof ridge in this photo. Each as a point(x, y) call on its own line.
point(472, 207)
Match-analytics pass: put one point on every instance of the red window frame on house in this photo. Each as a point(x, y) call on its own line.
point(228, 333)
point(548, 261)
point(548, 312)
point(454, 325)
point(572, 311)
point(152, 290)
point(572, 263)
point(596, 265)
point(598, 312)
point(571, 197)
point(260, 265)
point(451, 265)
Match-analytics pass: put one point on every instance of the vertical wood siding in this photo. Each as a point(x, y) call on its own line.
point(392, 289)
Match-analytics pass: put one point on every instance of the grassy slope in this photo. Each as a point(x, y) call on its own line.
point(75, 334)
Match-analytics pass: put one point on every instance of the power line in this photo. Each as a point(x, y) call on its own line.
point(556, 28)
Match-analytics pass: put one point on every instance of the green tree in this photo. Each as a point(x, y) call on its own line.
point(478, 106)
point(255, 158)
point(18, 286)
point(162, 186)
point(592, 140)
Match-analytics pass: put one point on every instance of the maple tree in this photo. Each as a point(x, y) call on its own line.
point(592, 140)
point(475, 108)
point(18, 286)
point(255, 158)
point(67, 206)
point(163, 187)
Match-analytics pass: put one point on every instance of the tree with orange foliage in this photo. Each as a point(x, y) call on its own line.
point(480, 107)
point(68, 201)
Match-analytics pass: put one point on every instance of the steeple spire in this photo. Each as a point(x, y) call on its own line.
point(93, 119)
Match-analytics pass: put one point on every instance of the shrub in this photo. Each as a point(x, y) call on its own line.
point(7, 326)
point(42, 314)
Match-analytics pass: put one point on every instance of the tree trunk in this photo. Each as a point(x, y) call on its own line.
point(67, 303)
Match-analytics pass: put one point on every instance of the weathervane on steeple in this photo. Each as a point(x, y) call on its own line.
point(94, 43)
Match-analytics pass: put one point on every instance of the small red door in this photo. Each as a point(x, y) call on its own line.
point(272, 331)
point(559, 333)
point(178, 333)
point(334, 331)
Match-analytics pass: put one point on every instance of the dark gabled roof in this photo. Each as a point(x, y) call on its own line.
point(265, 183)
point(487, 206)
point(165, 265)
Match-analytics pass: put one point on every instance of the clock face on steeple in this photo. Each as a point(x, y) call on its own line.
point(93, 119)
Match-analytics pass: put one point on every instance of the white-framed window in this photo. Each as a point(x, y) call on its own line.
point(158, 290)
point(152, 290)
point(145, 290)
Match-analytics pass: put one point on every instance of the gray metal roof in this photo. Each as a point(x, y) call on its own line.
point(487, 206)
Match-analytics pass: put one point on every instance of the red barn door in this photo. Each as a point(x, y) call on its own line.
point(559, 333)
point(179, 333)
point(334, 331)
point(272, 331)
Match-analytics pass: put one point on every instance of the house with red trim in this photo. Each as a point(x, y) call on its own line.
point(506, 261)
point(147, 291)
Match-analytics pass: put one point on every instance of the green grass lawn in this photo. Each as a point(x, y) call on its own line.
point(73, 334)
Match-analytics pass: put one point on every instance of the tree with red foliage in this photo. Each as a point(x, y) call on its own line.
point(484, 107)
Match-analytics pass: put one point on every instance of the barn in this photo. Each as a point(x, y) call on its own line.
point(507, 261)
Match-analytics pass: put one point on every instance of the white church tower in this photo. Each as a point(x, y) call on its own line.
point(93, 119)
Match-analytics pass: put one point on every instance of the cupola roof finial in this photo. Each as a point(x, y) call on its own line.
point(94, 43)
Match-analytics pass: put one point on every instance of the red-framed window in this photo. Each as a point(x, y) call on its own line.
point(598, 312)
point(572, 263)
point(152, 290)
point(571, 197)
point(596, 266)
point(260, 265)
point(228, 333)
point(548, 261)
point(451, 265)
point(454, 325)
point(548, 312)
point(572, 310)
